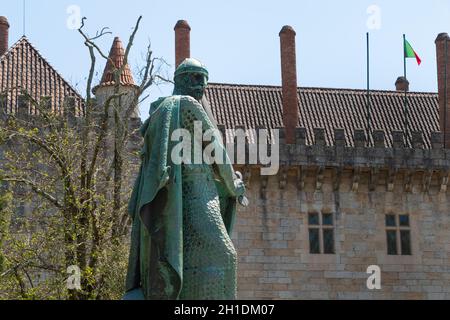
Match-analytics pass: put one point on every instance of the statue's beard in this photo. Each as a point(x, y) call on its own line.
point(196, 92)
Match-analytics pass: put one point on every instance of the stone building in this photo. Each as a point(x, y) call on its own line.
point(347, 195)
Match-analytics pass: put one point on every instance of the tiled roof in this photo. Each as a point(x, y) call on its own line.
point(253, 106)
point(22, 67)
point(117, 56)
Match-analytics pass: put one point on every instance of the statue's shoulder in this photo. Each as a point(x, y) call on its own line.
point(168, 102)
point(189, 103)
point(156, 105)
point(162, 106)
point(158, 112)
point(166, 105)
point(188, 100)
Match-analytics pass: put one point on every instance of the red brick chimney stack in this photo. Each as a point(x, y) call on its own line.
point(443, 72)
point(289, 82)
point(4, 35)
point(182, 41)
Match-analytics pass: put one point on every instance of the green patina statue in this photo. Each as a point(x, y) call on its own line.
point(183, 214)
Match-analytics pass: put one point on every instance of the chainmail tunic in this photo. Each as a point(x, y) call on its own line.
point(209, 257)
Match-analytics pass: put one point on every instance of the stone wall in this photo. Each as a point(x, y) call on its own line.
point(359, 186)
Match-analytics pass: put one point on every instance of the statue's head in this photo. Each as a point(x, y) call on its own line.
point(191, 79)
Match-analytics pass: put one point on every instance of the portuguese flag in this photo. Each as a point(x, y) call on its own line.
point(410, 53)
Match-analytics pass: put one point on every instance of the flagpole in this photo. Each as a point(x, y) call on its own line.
point(406, 93)
point(368, 91)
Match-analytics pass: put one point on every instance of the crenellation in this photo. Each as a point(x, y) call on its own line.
point(417, 140)
point(339, 137)
point(437, 140)
point(319, 137)
point(398, 139)
point(359, 155)
point(300, 136)
point(379, 139)
point(359, 138)
point(23, 108)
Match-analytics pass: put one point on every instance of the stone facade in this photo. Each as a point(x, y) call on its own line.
point(359, 186)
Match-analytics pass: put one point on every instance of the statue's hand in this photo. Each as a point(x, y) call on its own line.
point(239, 187)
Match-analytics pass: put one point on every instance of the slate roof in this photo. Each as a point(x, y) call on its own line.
point(22, 67)
point(254, 105)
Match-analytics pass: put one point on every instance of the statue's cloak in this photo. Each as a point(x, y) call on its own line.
point(155, 267)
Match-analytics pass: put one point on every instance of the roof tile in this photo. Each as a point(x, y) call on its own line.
point(22, 68)
point(327, 108)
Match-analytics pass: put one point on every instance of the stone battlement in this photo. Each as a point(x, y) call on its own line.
point(359, 152)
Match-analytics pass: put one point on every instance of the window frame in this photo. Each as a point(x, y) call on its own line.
point(398, 228)
point(321, 227)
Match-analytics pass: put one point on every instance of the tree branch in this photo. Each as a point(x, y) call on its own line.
point(38, 190)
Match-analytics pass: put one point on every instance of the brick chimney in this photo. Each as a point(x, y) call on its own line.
point(289, 82)
point(402, 84)
point(182, 42)
point(4, 35)
point(443, 72)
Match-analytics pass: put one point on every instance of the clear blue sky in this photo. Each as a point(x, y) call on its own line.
point(238, 40)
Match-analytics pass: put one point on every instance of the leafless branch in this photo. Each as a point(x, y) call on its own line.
point(90, 41)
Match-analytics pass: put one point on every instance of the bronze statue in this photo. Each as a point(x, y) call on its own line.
point(183, 213)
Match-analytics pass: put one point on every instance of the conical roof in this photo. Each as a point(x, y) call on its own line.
point(115, 61)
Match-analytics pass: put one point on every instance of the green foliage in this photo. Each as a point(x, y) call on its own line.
point(4, 225)
point(68, 181)
point(57, 211)
point(48, 222)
